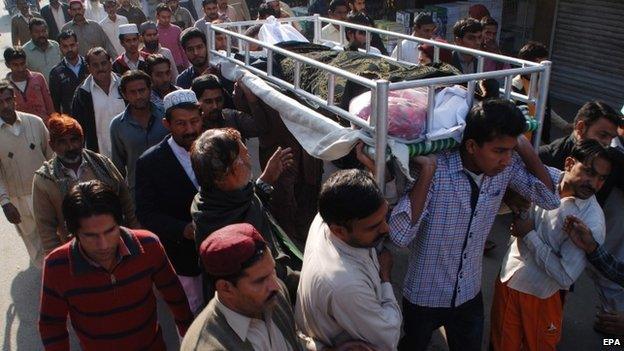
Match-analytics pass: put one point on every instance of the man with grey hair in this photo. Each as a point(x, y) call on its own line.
point(227, 195)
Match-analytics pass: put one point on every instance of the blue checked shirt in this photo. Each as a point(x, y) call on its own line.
point(446, 243)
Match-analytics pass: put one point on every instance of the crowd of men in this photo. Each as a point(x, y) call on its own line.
point(124, 166)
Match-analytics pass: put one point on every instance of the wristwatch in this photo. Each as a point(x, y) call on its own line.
point(264, 187)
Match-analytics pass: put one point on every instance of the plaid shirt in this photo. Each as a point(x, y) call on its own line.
point(608, 265)
point(446, 242)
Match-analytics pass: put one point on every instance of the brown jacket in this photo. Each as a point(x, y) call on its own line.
point(50, 185)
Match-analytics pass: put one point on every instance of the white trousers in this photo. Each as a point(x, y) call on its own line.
point(27, 229)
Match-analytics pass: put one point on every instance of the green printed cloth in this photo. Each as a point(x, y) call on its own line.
point(431, 147)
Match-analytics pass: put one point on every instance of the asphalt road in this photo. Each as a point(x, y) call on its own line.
point(20, 286)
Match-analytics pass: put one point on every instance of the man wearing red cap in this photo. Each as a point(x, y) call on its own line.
point(251, 308)
point(72, 164)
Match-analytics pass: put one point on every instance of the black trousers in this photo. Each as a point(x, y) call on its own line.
point(463, 325)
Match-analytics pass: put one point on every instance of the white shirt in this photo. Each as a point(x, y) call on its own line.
point(263, 335)
point(94, 10)
point(230, 13)
point(112, 31)
point(617, 144)
point(477, 178)
point(373, 50)
point(76, 68)
point(132, 64)
point(59, 17)
point(184, 157)
point(546, 260)
point(14, 128)
point(20, 85)
point(409, 52)
point(106, 107)
point(331, 33)
point(75, 175)
point(341, 296)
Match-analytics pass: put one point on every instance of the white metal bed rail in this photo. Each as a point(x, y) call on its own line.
point(378, 123)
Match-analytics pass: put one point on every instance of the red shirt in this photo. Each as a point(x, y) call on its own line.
point(110, 310)
point(35, 98)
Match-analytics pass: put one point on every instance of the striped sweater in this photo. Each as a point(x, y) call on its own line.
point(110, 310)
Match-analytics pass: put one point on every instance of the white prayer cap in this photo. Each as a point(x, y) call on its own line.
point(179, 97)
point(128, 29)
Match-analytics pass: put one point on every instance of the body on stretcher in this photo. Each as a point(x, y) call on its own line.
point(326, 140)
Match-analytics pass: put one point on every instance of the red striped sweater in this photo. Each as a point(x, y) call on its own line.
point(110, 311)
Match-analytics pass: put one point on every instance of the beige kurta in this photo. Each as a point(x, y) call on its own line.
point(341, 296)
point(24, 148)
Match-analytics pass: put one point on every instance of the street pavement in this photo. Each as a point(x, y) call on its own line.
point(20, 285)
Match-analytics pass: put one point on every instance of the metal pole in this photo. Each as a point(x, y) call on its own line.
point(331, 89)
point(317, 28)
point(540, 106)
point(508, 85)
point(430, 108)
point(209, 40)
point(381, 132)
point(269, 62)
point(297, 75)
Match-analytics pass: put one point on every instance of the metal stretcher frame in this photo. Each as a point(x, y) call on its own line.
point(377, 125)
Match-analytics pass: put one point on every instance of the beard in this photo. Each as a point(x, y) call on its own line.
point(71, 157)
point(151, 45)
point(214, 120)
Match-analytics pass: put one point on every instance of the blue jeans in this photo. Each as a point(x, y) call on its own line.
point(463, 325)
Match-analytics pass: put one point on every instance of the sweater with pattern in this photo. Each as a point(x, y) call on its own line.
point(110, 310)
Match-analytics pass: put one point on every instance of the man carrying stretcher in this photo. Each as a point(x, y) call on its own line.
point(447, 215)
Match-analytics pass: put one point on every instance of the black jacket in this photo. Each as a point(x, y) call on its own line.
point(163, 197)
point(82, 110)
point(53, 30)
point(63, 84)
point(120, 66)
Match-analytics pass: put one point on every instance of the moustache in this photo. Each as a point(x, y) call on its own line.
point(190, 136)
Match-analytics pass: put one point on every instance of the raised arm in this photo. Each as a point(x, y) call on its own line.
point(524, 182)
point(533, 163)
point(254, 123)
point(604, 262)
point(409, 212)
